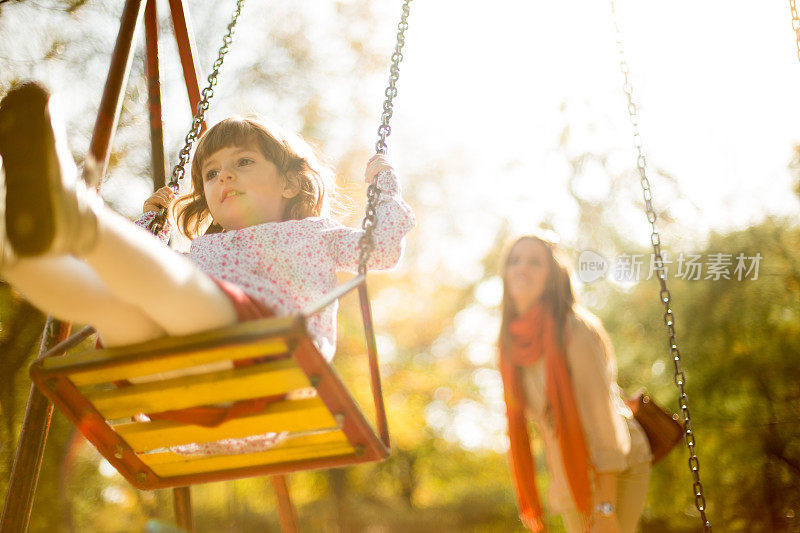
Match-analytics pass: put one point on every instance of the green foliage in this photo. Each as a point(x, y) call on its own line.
point(739, 343)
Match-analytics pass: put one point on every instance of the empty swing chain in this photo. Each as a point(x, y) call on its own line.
point(795, 25)
point(366, 243)
point(666, 298)
point(157, 225)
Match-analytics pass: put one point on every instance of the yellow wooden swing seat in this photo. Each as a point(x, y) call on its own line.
point(325, 430)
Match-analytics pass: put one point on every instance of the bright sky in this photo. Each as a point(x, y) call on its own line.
point(716, 81)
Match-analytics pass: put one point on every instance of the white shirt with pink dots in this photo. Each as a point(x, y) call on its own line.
point(292, 264)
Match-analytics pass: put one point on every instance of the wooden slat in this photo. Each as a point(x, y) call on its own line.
point(300, 415)
point(134, 369)
point(245, 340)
point(329, 444)
point(266, 379)
point(159, 470)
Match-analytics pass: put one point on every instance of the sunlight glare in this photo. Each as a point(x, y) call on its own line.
point(106, 470)
point(490, 292)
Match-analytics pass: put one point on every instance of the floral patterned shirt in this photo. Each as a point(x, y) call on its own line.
point(290, 265)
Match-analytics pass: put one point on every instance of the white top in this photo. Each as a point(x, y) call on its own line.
point(290, 265)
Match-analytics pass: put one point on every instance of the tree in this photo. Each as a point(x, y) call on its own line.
point(739, 341)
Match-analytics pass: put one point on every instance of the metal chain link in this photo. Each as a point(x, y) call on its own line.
point(366, 243)
point(199, 118)
point(795, 25)
point(666, 299)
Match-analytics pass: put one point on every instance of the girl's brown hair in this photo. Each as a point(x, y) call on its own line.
point(294, 158)
point(558, 297)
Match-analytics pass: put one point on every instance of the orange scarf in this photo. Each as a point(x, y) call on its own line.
point(532, 338)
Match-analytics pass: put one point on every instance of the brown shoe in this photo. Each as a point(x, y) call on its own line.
point(47, 207)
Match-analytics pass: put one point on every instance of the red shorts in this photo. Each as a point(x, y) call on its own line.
point(247, 309)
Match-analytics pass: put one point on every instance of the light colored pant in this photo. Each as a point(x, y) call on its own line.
point(631, 496)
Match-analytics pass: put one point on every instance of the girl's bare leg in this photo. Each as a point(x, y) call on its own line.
point(164, 285)
point(128, 280)
point(71, 291)
point(130, 286)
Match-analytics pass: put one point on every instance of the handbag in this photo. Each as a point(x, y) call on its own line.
point(662, 428)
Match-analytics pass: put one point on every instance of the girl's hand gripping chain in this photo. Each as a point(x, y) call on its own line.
point(161, 199)
point(377, 164)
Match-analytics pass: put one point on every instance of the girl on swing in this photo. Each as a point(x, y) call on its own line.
point(261, 243)
point(559, 369)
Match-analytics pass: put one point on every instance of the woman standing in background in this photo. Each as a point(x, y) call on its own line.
point(559, 369)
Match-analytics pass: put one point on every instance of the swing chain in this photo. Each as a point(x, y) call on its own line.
point(666, 298)
point(178, 172)
point(795, 24)
point(366, 243)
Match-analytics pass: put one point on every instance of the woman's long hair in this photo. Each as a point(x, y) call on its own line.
point(558, 297)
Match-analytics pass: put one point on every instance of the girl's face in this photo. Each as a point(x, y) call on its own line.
point(527, 271)
point(243, 188)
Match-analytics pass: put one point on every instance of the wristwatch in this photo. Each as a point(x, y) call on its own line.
point(604, 508)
